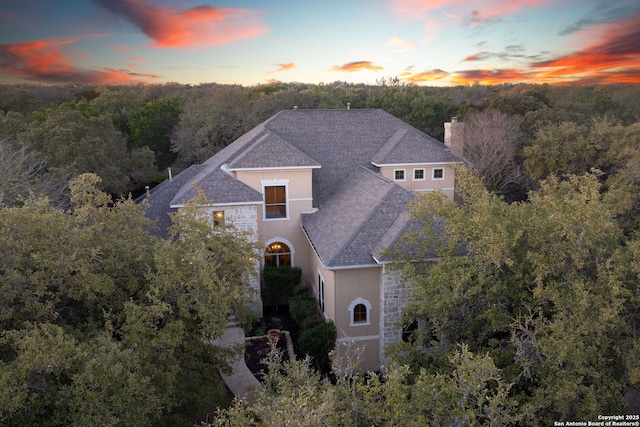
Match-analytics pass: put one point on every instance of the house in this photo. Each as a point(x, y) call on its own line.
point(326, 191)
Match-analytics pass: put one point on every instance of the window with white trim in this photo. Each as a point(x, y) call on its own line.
point(275, 202)
point(278, 254)
point(418, 174)
point(438, 174)
point(360, 312)
point(399, 175)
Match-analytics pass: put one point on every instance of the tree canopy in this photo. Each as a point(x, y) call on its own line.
point(103, 324)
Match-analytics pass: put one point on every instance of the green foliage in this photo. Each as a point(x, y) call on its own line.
point(318, 341)
point(469, 392)
point(151, 124)
point(304, 310)
point(279, 282)
point(541, 281)
point(103, 324)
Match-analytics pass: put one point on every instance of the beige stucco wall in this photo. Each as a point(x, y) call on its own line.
point(328, 276)
point(299, 198)
point(428, 184)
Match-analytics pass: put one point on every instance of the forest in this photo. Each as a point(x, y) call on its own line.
point(103, 324)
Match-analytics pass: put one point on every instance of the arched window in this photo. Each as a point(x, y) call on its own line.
point(277, 254)
point(360, 312)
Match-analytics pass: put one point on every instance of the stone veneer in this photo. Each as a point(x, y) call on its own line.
point(394, 295)
point(245, 219)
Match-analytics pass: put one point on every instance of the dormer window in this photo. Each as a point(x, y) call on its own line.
point(399, 175)
point(418, 174)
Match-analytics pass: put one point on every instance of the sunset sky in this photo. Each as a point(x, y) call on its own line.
point(248, 42)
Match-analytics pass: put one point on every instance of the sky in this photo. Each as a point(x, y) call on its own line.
point(251, 42)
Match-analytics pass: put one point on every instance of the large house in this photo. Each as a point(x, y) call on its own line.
point(326, 191)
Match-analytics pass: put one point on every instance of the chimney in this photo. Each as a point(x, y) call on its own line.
point(454, 136)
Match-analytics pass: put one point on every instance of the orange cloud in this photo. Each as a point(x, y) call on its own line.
point(357, 66)
point(202, 25)
point(44, 61)
point(283, 67)
point(490, 77)
point(615, 58)
point(425, 76)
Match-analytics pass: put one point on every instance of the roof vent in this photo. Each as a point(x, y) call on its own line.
point(170, 175)
point(348, 106)
point(295, 107)
point(454, 120)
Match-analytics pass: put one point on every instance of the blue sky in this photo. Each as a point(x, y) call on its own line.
point(248, 42)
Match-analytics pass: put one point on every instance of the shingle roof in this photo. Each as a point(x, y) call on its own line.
point(159, 199)
point(346, 230)
point(271, 151)
point(360, 212)
point(408, 145)
point(219, 187)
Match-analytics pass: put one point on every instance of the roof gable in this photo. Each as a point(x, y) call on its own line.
point(408, 146)
point(271, 151)
point(346, 230)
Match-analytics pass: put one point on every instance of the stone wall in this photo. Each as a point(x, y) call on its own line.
point(245, 219)
point(394, 295)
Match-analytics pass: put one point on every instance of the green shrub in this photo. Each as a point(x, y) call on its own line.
point(318, 342)
point(280, 281)
point(304, 310)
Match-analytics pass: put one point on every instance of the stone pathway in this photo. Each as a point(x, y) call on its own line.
point(241, 380)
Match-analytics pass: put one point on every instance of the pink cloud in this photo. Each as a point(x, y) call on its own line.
point(357, 66)
point(202, 25)
point(44, 61)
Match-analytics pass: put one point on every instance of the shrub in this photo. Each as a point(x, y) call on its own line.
point(318, 342)
point(304, 310)
point(280, 281)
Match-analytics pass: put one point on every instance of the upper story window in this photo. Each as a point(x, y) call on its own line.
point(399, 175)
point(438, 173)
point(275, 202)
point(418, 174)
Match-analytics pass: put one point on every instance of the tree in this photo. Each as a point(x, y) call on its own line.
point(151, 124)
point(541, 289)
point(25, 176)
point(469, 391)
point(102, 323)
point(491, 144)
point(210, 122)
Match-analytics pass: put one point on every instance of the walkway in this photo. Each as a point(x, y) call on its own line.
point(241, 380)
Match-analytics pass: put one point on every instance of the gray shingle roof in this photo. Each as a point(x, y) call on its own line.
point(159, 199)
point(271, 151)
point(346, 230)
point(360, 212)
point(408, 145)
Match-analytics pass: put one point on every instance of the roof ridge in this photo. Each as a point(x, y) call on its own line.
point(356, 232)
point(391, 144)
